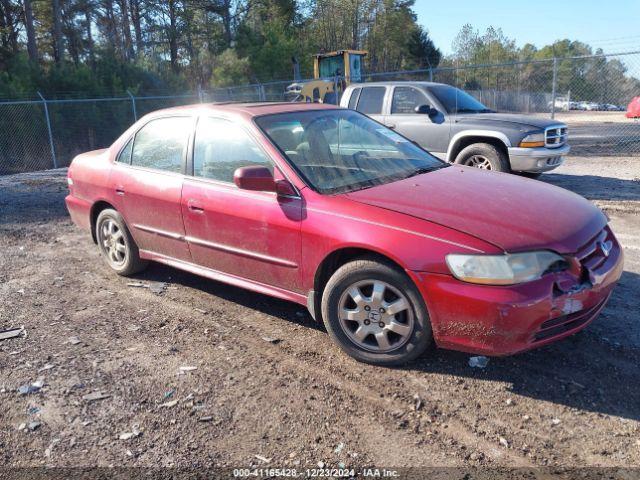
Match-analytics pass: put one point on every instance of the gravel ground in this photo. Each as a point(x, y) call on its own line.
point(267, 387)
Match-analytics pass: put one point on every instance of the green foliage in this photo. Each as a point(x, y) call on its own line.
point(108, 76)
point(421, 50)
point(487, 62)
point(230, 70)
point(147, 46)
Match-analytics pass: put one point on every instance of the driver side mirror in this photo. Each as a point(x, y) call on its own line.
point(260, 179)
point(254, 178)
point(426, 110)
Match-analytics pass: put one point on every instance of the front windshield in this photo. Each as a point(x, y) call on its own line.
point(455, 100)
point(342, 150)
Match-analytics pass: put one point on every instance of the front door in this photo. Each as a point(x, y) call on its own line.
point(147, 179)
point(252, 235)
point(430, 132)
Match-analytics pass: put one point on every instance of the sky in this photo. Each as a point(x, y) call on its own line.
point(612, 25)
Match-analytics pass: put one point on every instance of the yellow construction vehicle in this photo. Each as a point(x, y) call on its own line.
point(332, 72)
point(343, 63)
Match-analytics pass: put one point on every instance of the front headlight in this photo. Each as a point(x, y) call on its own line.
point(504, 269)
point(533, 140)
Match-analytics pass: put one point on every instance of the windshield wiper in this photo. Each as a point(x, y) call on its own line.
point(421, 170)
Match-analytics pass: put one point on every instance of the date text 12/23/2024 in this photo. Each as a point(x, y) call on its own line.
point(346, 473)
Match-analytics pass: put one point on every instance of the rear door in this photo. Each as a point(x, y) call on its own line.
point(431, 133)
point(148, 178)
point(370, 101)
point(249, 234)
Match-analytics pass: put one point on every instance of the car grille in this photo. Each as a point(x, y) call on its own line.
point(565, 323)
point(555, 137)
point(595, 252)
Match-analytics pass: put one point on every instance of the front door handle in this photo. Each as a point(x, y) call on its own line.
point(119, 191)
point(194, 207)
point(392, 126)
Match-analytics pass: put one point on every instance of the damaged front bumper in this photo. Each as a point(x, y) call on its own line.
point(503, 320)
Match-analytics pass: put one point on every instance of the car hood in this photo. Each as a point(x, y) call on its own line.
point(512, 213)
point(525, 121)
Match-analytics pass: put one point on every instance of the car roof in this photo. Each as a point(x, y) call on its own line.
point(396, 82)
point(245, 109)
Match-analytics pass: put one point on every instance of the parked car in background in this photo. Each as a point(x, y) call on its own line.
point(457, 128)
point(633, 109)
point(390, 247)
point(560, 103)
point(589, 106)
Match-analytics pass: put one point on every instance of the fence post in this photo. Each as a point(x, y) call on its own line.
point(430, 74)
point(553, 87)
point(46, 115)
point(133, 106)
point(200, 93)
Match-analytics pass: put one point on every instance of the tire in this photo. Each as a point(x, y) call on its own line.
point(357, 336)
point(485, 156)
point(116, 244)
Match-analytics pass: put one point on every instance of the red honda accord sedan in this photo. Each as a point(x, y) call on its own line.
point(388, 246)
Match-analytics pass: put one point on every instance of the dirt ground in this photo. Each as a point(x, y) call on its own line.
point(270, 389)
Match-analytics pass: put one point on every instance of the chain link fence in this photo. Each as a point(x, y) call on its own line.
point(590, 94)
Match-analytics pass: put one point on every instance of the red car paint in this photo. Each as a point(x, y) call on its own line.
point(276, 244)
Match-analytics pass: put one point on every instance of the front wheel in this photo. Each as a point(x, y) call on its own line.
point(375, 313)
point(484, 156)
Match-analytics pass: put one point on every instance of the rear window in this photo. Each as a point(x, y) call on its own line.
point(354, 98)
point(370, 101)
point(160, 144)
point(125, 154)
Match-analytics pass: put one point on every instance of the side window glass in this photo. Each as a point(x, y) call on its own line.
point(125, 154)
point(370, 101)
point(160, 144)
point(406, 99)
point(221, 147)
point(354, 98)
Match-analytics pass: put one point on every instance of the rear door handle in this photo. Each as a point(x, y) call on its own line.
point(392, 126)
point(194, 207)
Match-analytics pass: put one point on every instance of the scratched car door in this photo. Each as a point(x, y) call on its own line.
point(253, 235)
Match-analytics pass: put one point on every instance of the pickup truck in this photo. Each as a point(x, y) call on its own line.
point(457, 128)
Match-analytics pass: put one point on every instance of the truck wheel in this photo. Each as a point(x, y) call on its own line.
point(375, 313)
point(484, 156)
point(117, 245)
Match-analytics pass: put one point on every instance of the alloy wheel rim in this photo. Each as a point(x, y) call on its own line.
point(112, 242)
point(375, 316)
point(479, 161)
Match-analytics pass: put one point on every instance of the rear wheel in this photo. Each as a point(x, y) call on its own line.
point(484, 156)
point(375, 313)
point(117, 245)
